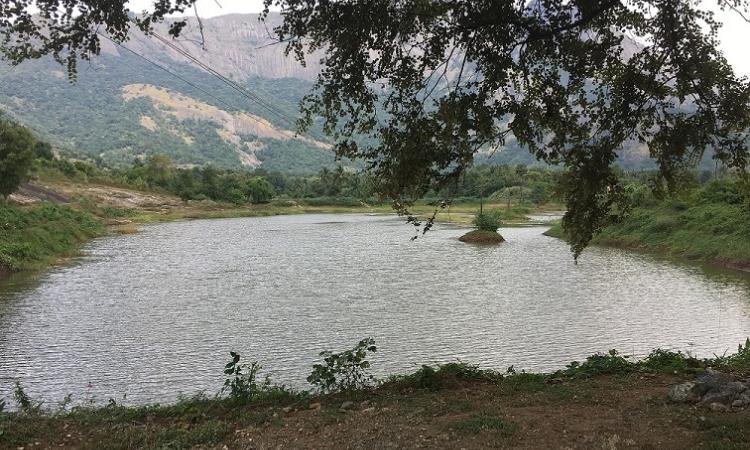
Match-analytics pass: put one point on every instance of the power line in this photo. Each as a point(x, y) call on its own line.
point(186, 81)
point(244, 92)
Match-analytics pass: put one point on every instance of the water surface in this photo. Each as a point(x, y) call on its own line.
point(153, 315)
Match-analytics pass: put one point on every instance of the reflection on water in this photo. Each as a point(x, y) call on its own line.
point(153, 315)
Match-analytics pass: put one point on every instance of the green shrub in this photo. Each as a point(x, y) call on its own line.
point(600, 364)
point(244, 384)
point(435, 378)
point(16, 156)
point(739, 360)
point(488, 220)
point(344, 371)
point(666, 361)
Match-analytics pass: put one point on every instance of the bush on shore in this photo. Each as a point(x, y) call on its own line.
point(32, 236)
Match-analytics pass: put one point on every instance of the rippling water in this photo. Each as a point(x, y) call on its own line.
point(153, 315)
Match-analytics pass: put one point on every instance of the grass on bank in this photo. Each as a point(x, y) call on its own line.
point(702, 225)
point(32, 237)
point(449, 406)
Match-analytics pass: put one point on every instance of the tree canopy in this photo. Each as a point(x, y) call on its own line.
point(16, 156)
point(417, 87)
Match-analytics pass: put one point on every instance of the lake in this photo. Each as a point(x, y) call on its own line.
point(152, 316)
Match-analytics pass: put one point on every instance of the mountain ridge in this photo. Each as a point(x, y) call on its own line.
point(187, 113)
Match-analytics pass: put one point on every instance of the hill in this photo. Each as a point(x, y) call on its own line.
point(124, 106)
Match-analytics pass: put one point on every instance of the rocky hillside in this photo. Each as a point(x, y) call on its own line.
point(123, 106)
point(238, 46)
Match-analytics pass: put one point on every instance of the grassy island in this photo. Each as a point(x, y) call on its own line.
point(487, 223)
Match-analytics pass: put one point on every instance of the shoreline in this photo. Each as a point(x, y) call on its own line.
point(741, 266)
point(121, 211)
point(455, 405)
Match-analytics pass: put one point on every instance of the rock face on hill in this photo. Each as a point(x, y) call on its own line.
point(238, 46)
point(145, 98)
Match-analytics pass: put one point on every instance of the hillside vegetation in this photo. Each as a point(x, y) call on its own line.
point(211, 124)
point(199, 128)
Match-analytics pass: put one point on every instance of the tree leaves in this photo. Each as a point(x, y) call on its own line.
point(417, 87)
point(430, 83)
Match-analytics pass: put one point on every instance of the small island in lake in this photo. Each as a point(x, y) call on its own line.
point(482, 237)
point(487, 224)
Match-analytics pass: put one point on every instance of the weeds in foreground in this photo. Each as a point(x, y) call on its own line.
point(739, 360)
point(349, 371)
point(442, 376)
point(600, 364)
point(345, 371)
point(244, 385)
point(24, 402)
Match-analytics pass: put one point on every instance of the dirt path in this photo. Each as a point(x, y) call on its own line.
point(29, 193)
point(605, 413)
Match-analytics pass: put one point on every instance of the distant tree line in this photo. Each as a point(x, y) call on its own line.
point(21, 153)
point(341, 185)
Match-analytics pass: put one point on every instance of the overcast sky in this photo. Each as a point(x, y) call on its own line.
point(735, 36)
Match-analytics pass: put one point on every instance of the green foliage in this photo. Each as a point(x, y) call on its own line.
point(666, 361)
point(231, 186)
point(442, 376)
point(258, 190)
point(243, 384)
point(519, 185)
point(43, 150)
point(24, 403)
point(16, 156)
point(600, 364)
point(739, 360)
point(32, 236)
point(344, 371)
point(488, 220)
point(706, 222)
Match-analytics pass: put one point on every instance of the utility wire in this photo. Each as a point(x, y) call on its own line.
point(186, 81)
point(232, 84)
